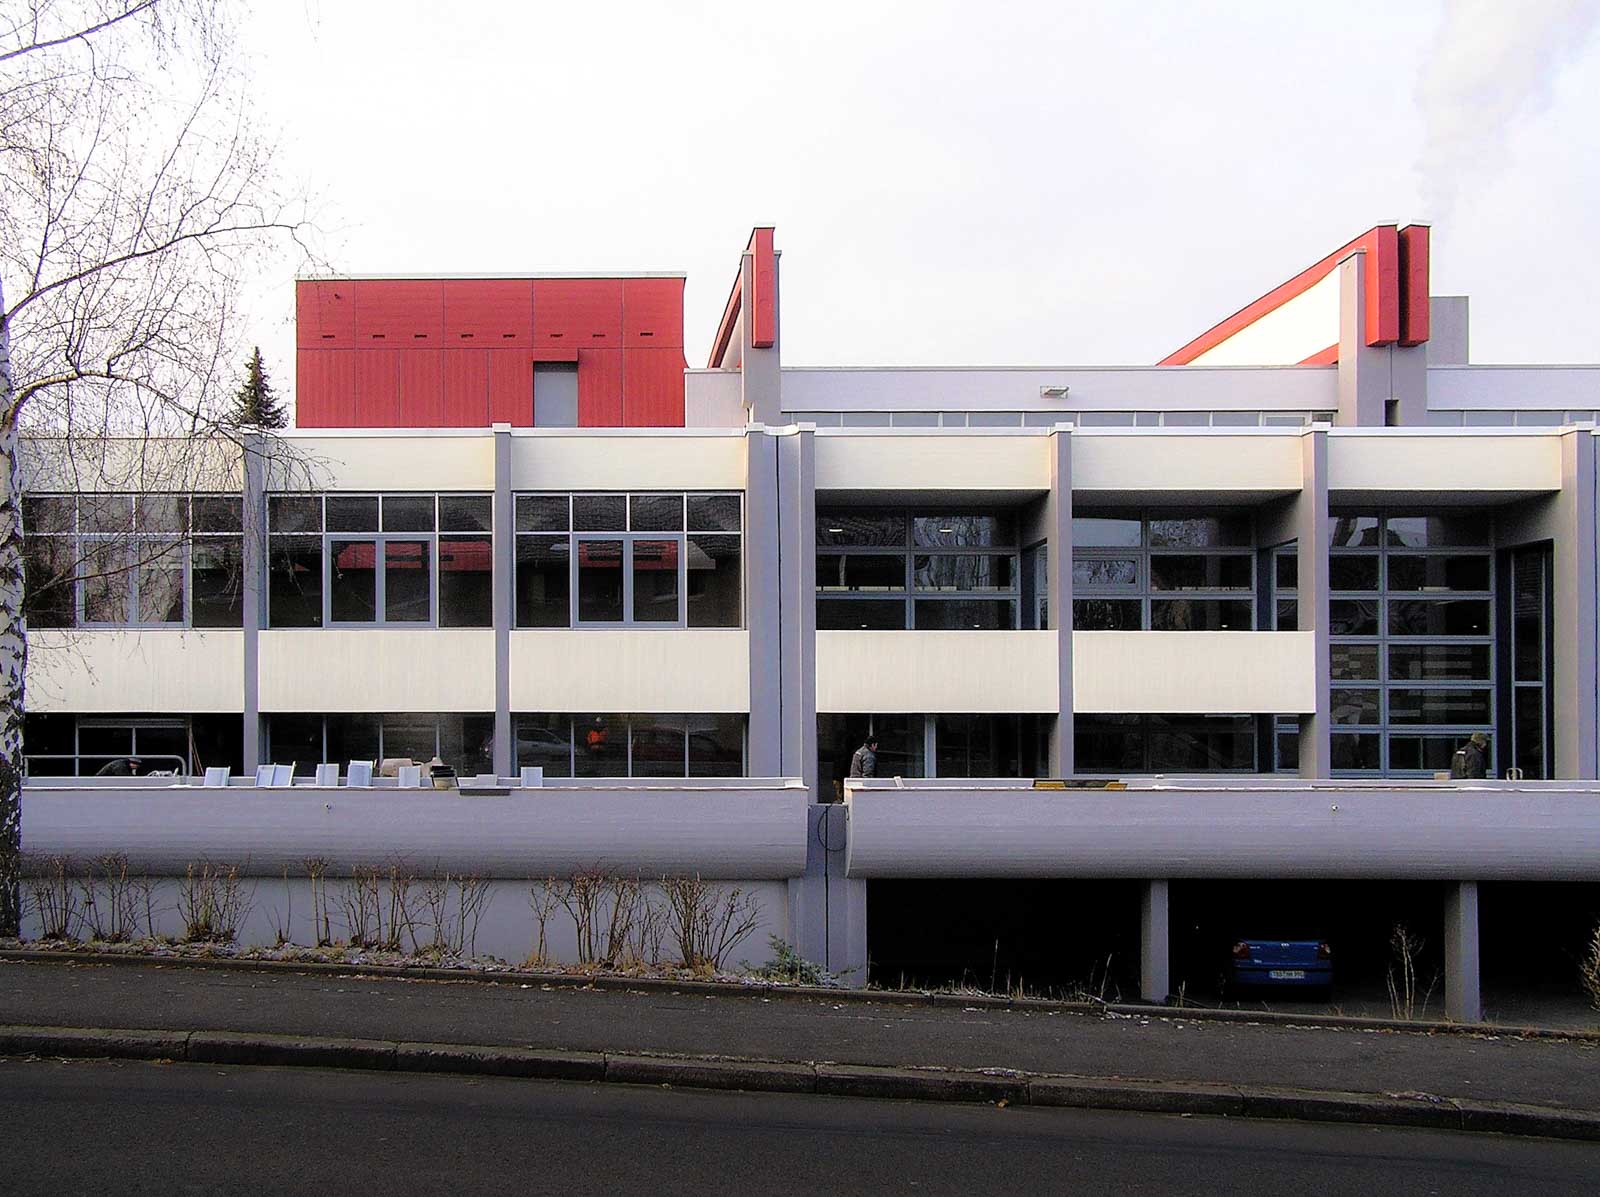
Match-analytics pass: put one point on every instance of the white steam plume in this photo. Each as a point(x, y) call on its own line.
point(1494, 64)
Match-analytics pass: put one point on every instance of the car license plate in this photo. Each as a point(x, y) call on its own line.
point(1287, 974)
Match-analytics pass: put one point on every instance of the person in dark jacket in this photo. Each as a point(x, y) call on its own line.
point(864, 763)
point(1472, 758)
point(122, 766)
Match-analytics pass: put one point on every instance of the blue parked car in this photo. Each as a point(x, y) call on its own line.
point(1281, 964)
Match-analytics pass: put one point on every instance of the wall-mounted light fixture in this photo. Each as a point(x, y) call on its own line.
point(1059, 392)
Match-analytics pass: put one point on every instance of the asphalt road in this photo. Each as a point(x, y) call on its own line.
point(98, 1127)
point(1158, 1047)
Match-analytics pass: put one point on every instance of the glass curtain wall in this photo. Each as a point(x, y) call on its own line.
point(118, 560)
point(369, 560)
point(1159, 571)
point(624, 745)
point(83, 745)
point(900, 569)
point(1411, 624)
point(465, 742)
point(629, 560)
point(955, 745)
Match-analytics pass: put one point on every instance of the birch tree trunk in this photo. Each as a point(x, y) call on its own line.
point(13, 650)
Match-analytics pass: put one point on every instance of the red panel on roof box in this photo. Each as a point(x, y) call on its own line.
point(399, 312)
point(325, 313)
point(599, 388)
point(511, 387)
point(1414, 311)
point(652, 388)
point(763, 290)
point(652, 312)
point(465, 402)
point(325, 384)
point(1383, 285)
point(421, 386)
point(377, 388)
point(582, 312)
point(488, 313)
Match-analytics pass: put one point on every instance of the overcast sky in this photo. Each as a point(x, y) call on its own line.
point(1052, 183)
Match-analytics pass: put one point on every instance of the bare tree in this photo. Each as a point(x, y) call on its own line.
point(139, 199)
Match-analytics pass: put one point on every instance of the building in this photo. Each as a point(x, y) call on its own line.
point(1272, 582)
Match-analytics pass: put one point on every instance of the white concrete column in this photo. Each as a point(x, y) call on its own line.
point(1155, 952)
point(1463, 999)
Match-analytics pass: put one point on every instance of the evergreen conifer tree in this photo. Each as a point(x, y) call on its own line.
point(255, 403)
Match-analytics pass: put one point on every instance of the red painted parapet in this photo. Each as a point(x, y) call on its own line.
point(460, 353)
point(764, 290)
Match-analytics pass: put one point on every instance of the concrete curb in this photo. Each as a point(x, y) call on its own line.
point(773, 1076)
point(622, 984)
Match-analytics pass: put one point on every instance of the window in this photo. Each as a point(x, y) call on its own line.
point(80, 746)
point(616, 745)
point(1164, 743)
point(1411, 620)
point(1155, 571)
point(886, 570)
point(394, 559)
point(465, 742)
point(668, 560)
point(148, 560)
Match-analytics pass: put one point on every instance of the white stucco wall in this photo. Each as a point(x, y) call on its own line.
point(968, 672)
point(438, 459)
point(1468, 462)
point(1153, 461)
point(671, 670)
point(647, 459)
point(331, 670)
point(131, 671)
point(1243, 673)
point(915, 459)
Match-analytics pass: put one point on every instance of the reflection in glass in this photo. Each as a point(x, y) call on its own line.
point(600, 581)
point(353, 581)
point(407, 581)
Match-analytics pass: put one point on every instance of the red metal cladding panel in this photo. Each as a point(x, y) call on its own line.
point(397, 312)
point(325, 314)
point(325, 384)
point(511, 387)
point(585, 313)
point(764, 290)
point(488, 313)
point(464, 399)
point(421, 389)
point(377, 391)
point(652, 388)
point(652, 313)
point(1383, 285)
point(600, 388)
point(1414, 308)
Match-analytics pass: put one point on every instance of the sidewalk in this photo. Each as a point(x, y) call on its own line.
point(1158, 1047)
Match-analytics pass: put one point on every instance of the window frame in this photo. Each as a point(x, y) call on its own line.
point(378, 538)
point(1144, 555)
point(906, 548)
point(629, 537)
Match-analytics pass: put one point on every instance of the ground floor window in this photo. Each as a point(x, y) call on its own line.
point(131, 745)
point(632, 745)
point(958, 745)
point(1165, 743)
point(464, 742)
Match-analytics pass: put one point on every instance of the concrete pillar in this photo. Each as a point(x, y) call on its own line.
point(1371, 376)
point(760, 370)
point(763, 603)
point(797, 568)
point(1058, 521)
point(1314, 536)
point(1463, 999)
point(847, 902)
point(253, 569)
point(502, 582)
point(1575, 627)
point(808, 893)
point(1155, 950)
